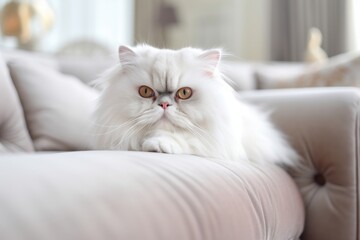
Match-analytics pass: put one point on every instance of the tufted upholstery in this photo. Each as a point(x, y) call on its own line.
point(323, 125)
point(14, 136)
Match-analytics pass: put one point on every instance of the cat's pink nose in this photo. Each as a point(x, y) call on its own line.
point(164, 105)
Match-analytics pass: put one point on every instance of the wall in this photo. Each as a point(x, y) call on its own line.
point(239, 26)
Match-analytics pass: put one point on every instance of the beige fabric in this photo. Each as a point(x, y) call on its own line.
point(323, 125)
point(57, 107)
point(14, 136)
point(145, 196)
point(342, 70)
point(267, 75)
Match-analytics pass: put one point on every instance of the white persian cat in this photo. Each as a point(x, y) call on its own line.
point(161, 100)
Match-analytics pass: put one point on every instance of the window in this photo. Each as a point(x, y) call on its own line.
point(109, 23)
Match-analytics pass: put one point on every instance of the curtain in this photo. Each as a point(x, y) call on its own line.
point(292, 19)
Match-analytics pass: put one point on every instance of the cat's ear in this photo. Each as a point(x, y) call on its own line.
point(126, 55)
point(211, 58)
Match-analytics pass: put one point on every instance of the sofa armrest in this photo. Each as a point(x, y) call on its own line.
point(323, 126)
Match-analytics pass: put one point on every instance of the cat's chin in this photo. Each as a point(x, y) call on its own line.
point(165, 121)
point(170, 119)
point(164, 124)
point(165, 118)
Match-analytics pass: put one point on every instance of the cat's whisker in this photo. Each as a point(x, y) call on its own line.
point(200, 134)
point(140, 123)
point(131, 132)
point(127, 134)
point(113, 128)
point(196, 130)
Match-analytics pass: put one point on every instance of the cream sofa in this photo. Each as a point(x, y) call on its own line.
point(85, 194)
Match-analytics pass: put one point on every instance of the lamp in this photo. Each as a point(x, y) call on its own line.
point(17, 20)
point(167, 17)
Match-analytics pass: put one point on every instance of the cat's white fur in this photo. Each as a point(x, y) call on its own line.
point(212, 123)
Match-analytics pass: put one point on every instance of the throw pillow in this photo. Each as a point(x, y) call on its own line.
point(268, 75)
point(14, 136)
point(342, 70)
point(57, 107)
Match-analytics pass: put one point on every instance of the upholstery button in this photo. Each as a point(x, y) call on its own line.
point(319, 179)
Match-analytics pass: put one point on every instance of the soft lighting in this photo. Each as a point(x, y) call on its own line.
point(17, 19)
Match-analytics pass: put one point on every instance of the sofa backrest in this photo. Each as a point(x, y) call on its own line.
point(28, 70)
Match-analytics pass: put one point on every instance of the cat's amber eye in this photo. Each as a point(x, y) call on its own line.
point(184, 93)
point(146, 92)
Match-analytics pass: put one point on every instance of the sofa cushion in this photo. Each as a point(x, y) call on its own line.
point(14, 136)
point(148, 196)
point(57, 107)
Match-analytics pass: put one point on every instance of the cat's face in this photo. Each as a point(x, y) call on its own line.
point(163, 89)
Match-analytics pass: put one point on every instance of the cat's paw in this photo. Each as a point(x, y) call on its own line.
point(161, 145)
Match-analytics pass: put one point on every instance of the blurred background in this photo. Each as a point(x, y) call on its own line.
point(254, 30)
